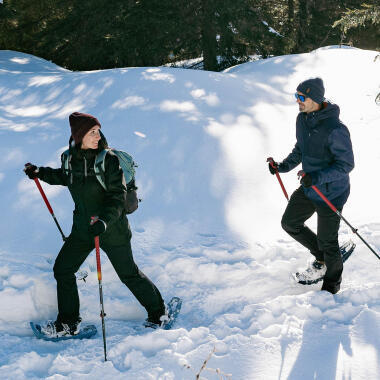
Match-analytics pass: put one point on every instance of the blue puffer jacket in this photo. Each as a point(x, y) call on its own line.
point(325, 150)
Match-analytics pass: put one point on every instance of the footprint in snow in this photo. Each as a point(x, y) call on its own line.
point(206, 235)
point(168, 248)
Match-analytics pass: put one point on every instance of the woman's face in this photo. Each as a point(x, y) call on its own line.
point(91, 138)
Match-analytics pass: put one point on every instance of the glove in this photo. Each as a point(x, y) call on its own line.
point(31, 170)
point(271, 168)
point(306, 179)
point(97, 228)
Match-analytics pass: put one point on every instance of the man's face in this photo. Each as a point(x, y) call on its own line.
point(307, 105)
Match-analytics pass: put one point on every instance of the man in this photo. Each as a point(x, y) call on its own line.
point(324, 148)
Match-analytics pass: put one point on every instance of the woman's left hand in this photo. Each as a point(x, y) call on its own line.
point(97, 228)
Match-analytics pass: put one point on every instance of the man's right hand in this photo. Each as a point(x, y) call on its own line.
point(272, 165)
point(31, 170)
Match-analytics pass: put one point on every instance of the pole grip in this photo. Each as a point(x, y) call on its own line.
point(43, 195)
point(315, 188)
point(99, 268)
point(282, 185)
point(354, 230)
point(271, 161)
point(37, 182)
point(98, 265)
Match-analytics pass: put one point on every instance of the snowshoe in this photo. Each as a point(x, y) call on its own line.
point(55, 331)
point(316, 271)
point(312, 274)
point(166, 320)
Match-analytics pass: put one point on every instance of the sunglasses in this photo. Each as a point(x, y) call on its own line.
point(302, 98)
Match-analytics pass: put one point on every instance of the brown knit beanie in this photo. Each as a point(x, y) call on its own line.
point(80, 124)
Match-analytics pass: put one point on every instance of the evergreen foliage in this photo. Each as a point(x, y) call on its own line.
point(101, 34)
point(359, 17)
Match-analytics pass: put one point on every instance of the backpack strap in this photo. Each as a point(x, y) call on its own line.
point(99, 167)
point(66, 164)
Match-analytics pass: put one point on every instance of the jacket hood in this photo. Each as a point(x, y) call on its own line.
point(329, 111)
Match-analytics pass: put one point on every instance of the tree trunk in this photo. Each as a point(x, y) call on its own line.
point(290, 14)
point(301, 26)
point(208, 36)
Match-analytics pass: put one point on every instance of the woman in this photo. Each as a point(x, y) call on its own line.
point(112, 225)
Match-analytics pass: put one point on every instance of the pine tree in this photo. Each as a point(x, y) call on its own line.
point(99, 34)
point(367, 16)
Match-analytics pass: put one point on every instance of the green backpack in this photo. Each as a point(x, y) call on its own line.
point(127, 165)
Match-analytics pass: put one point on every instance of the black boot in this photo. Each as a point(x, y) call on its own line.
point(156, 319)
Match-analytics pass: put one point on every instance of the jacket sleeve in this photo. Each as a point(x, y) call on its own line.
point(339, 143)
point(52, 176)
point(113, 206)
point(290, 162)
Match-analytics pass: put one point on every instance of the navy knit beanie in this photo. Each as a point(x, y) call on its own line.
point(313, 88)
point(80, 124)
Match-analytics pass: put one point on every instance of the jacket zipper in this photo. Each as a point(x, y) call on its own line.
point(85, 167)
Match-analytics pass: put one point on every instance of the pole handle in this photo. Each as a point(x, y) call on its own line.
point(315, 188)
point(333, 208)
point(43, 195)
point(271, 161)
point(98, 265)
point(99, 269)
point(38, 184)
point(97, 250)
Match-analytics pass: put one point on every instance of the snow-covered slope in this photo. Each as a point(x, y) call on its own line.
point(208, 229)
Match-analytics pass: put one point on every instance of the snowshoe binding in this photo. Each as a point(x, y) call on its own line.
point(166, 320)
point(55, 331)
point(316, 271)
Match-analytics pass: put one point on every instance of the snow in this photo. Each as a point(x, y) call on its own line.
point(208, 229)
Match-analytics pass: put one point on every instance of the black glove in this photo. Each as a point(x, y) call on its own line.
point(31, 170)
point(306, 180)
point(271, 168)
point(97, 228)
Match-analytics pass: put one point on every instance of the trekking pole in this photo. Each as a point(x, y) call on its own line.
point(99, 269)
point(271, 161)
point(354, 230)
point(49, 207)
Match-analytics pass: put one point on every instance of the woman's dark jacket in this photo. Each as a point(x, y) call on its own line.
point(89, 196)
point(325, 150)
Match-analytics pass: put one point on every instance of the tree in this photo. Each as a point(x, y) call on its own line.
point(224, 32)
point(101, 34)
point(359, 17)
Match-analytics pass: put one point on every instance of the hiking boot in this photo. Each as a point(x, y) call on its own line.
point(59, 329)
point(156, 319)
point(313, 274)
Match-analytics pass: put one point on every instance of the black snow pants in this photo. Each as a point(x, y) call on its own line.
point(323, 245)
point(74, 252)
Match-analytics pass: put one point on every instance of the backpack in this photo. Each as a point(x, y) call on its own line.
point(127, 165)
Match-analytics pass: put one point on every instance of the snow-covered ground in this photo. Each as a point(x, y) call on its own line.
point(208, 229)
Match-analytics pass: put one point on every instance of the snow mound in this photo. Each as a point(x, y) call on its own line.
point(208, 229)
point(17, 63)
